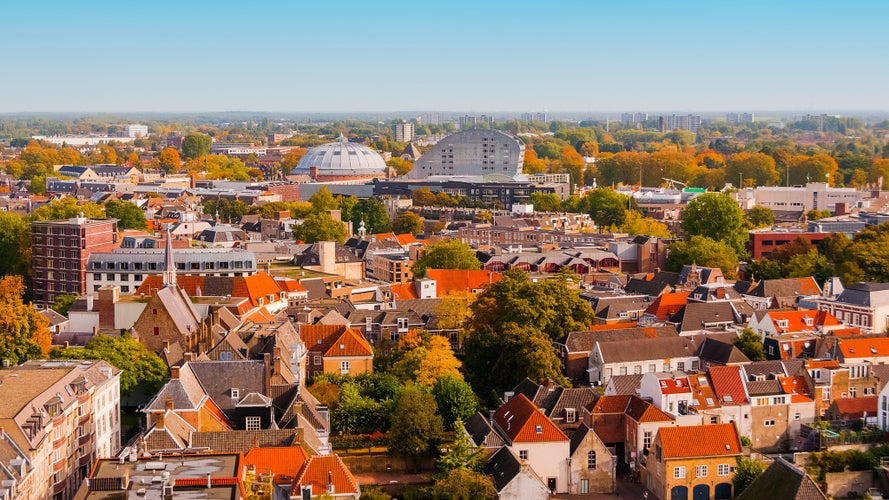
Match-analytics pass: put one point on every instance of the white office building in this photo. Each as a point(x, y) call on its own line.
point(812, 196)
point(136, 130)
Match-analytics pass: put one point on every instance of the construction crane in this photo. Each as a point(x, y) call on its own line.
point(671, 183)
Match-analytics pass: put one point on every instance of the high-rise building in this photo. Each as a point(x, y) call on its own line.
point(633, 118)
point(683, 122)
point(62, 415)
point(136, 130)
point(59, 252)
point(404, 132)
point(738, 118)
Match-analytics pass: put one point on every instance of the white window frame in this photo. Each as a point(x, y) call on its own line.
point(253, 423)
point(523, 454)
point(722, 470)
point(701, 471)
point(345, 368)
point(679, 472)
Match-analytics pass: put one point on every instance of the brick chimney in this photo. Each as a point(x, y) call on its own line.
point(168, 404)
point(174, 372)
point(276, 354)
point(108, 296)
point(267, 361)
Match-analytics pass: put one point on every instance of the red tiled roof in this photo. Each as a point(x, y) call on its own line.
point(796, 320)
point(384, 236)
point(284, 461)
point(459, 280)
point(260, 315)
point(404, 291)
point(523, 422)
point(864, 347)
point(846, 332)
point(405, 239)
point(797, 388)
point(822, 363)
point(700, 441)
point(808, 286)
point(857, 407)
point(615, 326)
point(667, 304)
point(259, 285)
point(328, 338)
point(322, 470)
point(214, 481)
point(643, 412)
point(290, 285)
point(610, 404)
point(671, 385)
point(728, 384)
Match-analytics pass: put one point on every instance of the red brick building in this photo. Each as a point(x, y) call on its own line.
point(763, 243)
point(60, 249)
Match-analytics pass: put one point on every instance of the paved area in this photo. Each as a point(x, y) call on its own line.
point(624, 490)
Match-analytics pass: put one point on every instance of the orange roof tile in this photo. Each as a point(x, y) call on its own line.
point(404, 291)
point(259, 285)
point(322, 470)
point(260, 315)
point(349, 343)
point(615, 326)
point(384, 236)
point(857, 407)
point(691, 441)
point(667, 304)
point(328, 338)
point(864, 347)
point(703, 396)
point(644, 412)
point(818, 363)
point(728, 384)
point(671, 385)
point(523, 422)
point(808, 286)
point(611, 404)
point(405, 239)
point(290, 285)
point(459, 280)
point(846, 332)
point(796, 320)
point(797, 388)
point(284, 461)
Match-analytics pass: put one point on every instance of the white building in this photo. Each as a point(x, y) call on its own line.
point(813, 196)
point(404, 132)
point(136, 130)
point(475, 152)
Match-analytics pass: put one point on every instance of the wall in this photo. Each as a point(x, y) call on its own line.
point(840, 484)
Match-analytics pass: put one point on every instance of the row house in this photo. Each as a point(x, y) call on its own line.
point(769, 323)
point(862, 305)
point(624, 357)
point(783, 293)
point(336, 349)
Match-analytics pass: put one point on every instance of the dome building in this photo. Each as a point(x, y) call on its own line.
point(342, 160)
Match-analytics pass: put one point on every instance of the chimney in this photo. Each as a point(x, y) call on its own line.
point(168, 404)
point(276, 353)
point(188, 357)
point(160, 421)
point(267, 361)
point(327, 256)
point(174, 372)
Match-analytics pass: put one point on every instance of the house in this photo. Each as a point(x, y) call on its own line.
point(864, 305)
point(336, 349)
point(325, 476)
point(536, 440)
point(563, 406)
point(714, 350)
point(780, 394)
point(769, 323)
point(781, 293)
point(481, 432)
point(698, 317)
point(623, 309)
point(514, 478)
point(783, 480)
point(170, 318)
point(670, 392)
point(592, 465)
point(848, 410)
point(695, 461)
point(665, 306)
point(578, 345)
point(623, 357)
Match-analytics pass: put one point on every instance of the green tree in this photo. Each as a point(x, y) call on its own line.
point(607, 207)
point(128, 215)
point(347, 206)
point(357, 413)
point(869, 251)
point(139, 365)
point(460, 455)
point(464, 484)
point(62, 302)
point(817, 214)
point(408, 222)
point(24, 333)
point(746, 471)
point(67, 208)
point(545, 202)
point(323, 200)
point(447, 254)
point(416, 427)
point(761, 216)
point(636, 223)
point(811, 264)
point(196, 145)
point(320, 227)
point(15, 245)
point(227, 210)
point(718, 217)
point(703, 251)
point(374, 214)
point(750, 343)
point(455, 399)
point(765, 269)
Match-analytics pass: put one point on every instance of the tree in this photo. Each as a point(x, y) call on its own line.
point(869, 251)
point(758, 167)
point(746, 471)
point(765, 269)
point(761, 216)
point(24, 333)
point(15, 245)
point(425, 358)
point(718, 217)
point(455, 399)
point(128, 215)
point(62, 302)
point(374, 214)
point(545, 202)
point(811, 264)
point(464, 484)
point(636, 223)
point(169, 160)
point(448, 254)
point(460, 455)
point(408, 223)
point(817, 214)
point(320, 227)
point(323, 200)
point(139, 365)
point(607, 207)
point(228, 210)
point(67, 208)
point(196, 145)
point(416, 427)
point(703, 251)
point(401, 166)
point(750, 343)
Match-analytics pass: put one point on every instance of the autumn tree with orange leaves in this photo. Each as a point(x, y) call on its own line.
point(24, 333)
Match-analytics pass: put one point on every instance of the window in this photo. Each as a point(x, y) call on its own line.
point(646, 440)
point(769, 423)
point(591, 460)
point(722, 470)
point(714, 420)
point(679, 472)
point(157, 331)
point(623, 370)
point(853, 392)
point(701, 471)
point(344, 367)
point(225, 356)
point(253, 423)
point(236, 393)
point(584, 486)
point(523, 454)
point(570, 415)
point(637, 369)
point(317, 360)
point(680, 365)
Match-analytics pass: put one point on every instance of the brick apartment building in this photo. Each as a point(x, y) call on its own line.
point(60, 249)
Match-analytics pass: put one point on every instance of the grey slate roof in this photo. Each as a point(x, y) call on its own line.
point(480, 431)
point(659, 348)
point(503, 467)
point(783, 480)
point(584, 341)
point(218, 378)
point(577, 438)
point(720, 352)
point(243, 441)
point(649, 288)
point(695, 315)
point(626, 385)
point(865, 294)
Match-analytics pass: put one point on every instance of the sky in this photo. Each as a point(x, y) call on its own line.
point(453, 56)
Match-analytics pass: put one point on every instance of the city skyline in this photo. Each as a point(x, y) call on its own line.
point(497, 56)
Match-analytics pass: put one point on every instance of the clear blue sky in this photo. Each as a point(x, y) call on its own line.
point(454, 55)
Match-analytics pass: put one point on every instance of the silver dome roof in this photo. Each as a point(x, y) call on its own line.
point(342, 158)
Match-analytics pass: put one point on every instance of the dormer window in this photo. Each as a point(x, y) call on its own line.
point(808, 321)
point(782, 323)
point(342, 347)
point(236, 393)
point(539, 429)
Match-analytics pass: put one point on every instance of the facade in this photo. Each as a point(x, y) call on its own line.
point(341, 160)
point(812, 196)
point(695, 461)
point(336, 349)
point(628, 357)
point(60, 250)
point(862, 305)
point(128, 268)
point(63, 415)
point(404, 132)
point(765, 241)
point(683, 122)
point(475, 152)
point(136, 130)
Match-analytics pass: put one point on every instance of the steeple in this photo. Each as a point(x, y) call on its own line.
point(169, 266)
